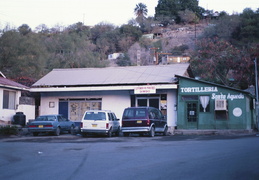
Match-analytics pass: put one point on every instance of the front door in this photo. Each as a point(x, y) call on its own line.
point(191, 115)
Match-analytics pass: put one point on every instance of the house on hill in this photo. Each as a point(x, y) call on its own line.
point(73, 91)
point(12, 101)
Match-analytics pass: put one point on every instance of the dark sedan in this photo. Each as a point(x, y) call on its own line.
point(51, 124)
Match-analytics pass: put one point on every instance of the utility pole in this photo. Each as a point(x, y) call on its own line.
point(256, 93)
point(155, 54)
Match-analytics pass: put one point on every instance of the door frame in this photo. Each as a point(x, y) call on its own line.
point(191, 124)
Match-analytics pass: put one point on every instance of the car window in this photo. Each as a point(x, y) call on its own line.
point(51, 118)
point(134, 113)
point(60, 118)
point(151, 114)
point(160, 114)
point(128, 113)
point(110, 117)
point(94, 116)
point(63, 118)
point(155, 113)
point(45, 118)
point(140, 113)
point(114, 117)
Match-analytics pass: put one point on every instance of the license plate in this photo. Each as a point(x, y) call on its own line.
point(40, 126)
point(94, 125)
point(139, 122)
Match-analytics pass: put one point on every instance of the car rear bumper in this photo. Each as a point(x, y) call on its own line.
point(135, 129)
point(41, 130)
point(95, 131)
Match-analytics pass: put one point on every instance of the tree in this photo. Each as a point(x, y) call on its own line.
point(24, 29)
point(248, 32)
point(141, 10)
point(220, 62)
point(222, 28)
point(131, 31)
point(141, 13)
point(187, 16)
point(170, 8)
point(42, 28)
point(139, 55)
point(22, 55)
point(123, 60)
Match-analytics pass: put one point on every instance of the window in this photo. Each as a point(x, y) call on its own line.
point(204, 103)
point(220, 104)
point(221, 109)
point(9, 100)
point(78, 107)
point(110, 117)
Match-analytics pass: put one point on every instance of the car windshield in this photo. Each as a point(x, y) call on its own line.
point(95, 116)
point(134, 113)
point(45, 118)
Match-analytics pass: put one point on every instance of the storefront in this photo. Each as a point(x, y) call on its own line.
point(109, 89)
point(204, 105)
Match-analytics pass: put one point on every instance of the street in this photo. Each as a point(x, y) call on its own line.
point(70, 157)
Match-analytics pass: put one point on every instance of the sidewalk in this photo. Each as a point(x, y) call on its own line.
point(214, 132)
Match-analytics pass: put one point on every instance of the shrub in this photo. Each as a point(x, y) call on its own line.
point(8, 130)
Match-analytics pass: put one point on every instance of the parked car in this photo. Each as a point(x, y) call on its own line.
point(51, 124)
point(100, 122)
point(143, 120)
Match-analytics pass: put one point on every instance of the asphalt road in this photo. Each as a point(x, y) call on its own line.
point(69, 157)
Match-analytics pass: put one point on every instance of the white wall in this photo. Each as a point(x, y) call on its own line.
point(6, 115)
point(171, 108)
point(28, 111)
point(44, 106)
point(114, 101)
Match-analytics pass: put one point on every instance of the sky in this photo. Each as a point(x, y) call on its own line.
point(91, 12)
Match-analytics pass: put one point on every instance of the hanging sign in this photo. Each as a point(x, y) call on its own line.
point(145, 90)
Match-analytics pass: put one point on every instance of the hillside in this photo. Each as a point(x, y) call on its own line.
point(180, 35)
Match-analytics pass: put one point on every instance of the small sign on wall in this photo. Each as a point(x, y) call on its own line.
point(145, 90)
point(51, 104)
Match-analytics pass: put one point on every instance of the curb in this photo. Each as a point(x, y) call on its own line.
point(215, 132)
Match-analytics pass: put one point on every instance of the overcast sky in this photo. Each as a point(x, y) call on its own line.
point(92, 12)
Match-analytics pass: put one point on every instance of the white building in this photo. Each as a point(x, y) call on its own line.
point(11, 101)
point(73, 91)
point(114, 56)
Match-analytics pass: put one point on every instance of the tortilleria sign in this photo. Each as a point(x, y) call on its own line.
point(145, 90)
point(198, 89)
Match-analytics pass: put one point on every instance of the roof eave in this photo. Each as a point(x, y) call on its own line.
point(99, 88)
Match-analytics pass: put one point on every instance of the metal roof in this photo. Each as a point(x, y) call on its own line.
point(7, 83)
point(112, 75)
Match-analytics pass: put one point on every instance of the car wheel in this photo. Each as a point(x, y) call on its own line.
point(165, 131)
point(84, 134)
point(109, 134)
point(126, 134)
point(152, 132)
point(72, 130)
point(35, 133)
point(141, 134)
point(57, 132)
point(118, 131)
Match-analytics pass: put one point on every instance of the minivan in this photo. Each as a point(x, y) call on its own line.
point(143, 120)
